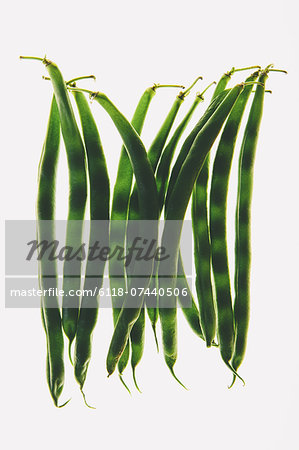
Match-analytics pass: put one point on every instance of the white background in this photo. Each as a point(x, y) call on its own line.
point(128, 46)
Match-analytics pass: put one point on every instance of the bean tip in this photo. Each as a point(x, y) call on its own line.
point(84, 398)
point(123, 383)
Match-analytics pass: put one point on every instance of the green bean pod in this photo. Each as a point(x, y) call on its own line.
point(145, 180)
point(175, 213)
point(243, 218)
point(48, 368)
point(157, 146)
point(191, 313)
point(202, 249)
point(222, 83)
point(119, 213)
point(77, 197)
point(45, 211)
point(189, 141)
point(218, 207)
point(203, 282)
point(163, 168)
point(161, 161)
point(137, 343)
point(154, 154)
point(99, 231)
point(148, 206)
point(162, 176)
point(148, 197)
point(202, 245)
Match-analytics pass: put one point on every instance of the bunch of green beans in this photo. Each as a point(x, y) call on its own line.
point(150, 185)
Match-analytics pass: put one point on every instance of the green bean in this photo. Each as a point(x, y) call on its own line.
point(202, 247)
point(77, 196)
point(142, 170)
point(45, 210)
point(202, 252)
point(137, 333)
point(148, 205)
point(162, 180)
point(156, 148)
point(191, 313)
point(203, 282)
point(154, 154)
point(99, 231)
point(243, 222)
point(119, 214)
point(137, 342)
point(218, 202)
point(163, 168)
point(175, 213)
point(189, 141)
point(120, 204)
point(48, 368)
